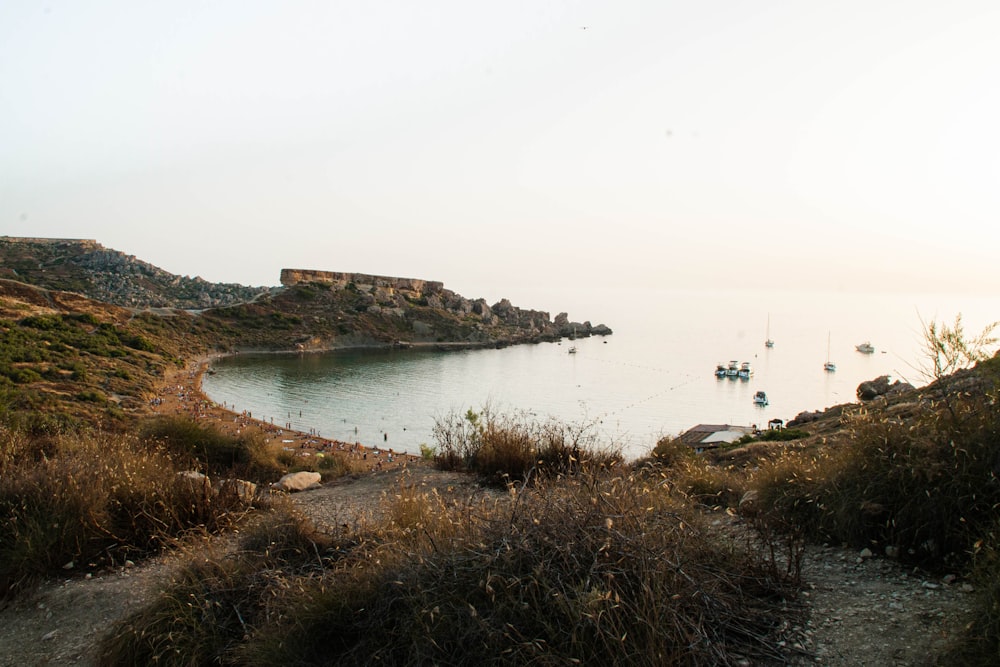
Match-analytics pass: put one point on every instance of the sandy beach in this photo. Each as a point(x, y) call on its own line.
point(181, 394)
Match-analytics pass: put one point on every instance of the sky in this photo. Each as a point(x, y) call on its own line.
point(503, 146)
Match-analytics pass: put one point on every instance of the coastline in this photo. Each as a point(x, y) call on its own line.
point(180, 393)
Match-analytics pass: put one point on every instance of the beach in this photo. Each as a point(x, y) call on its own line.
point(181, 394)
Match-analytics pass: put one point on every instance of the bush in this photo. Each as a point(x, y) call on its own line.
point(86, 500)
point(979, 645)
point(213, 603)
point(218, 453)
point(594, 569)
point(928, 488)
point(502, 448)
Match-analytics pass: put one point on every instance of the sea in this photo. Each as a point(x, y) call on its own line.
point(653, 378)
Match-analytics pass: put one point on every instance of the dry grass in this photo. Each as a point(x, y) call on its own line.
point(595, 569)
point(83, 501)
point(926, 488)
point(503, 448)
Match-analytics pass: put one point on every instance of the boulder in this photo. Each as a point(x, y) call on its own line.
point(242, 489)
point(880, 386)
point(297, 481)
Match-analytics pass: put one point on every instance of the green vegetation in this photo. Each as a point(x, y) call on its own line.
point(215, 453)
point(775, 435)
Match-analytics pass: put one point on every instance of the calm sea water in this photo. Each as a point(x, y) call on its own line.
point(653, 377)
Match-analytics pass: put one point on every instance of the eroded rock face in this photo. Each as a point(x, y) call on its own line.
point(412, 286)
point(880, 386)
point(379, 295)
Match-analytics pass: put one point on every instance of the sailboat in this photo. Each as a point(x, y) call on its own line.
point(768, 342)
point(829, 365)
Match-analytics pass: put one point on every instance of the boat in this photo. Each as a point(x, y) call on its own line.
point(720, 370)
point(768, 342)
point(733, 369)
point(760, 398)
point(829, 365)
point(746, 370)
point(572, 350)
point(865, 347)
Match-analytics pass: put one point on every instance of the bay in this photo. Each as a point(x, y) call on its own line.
point(653, 377)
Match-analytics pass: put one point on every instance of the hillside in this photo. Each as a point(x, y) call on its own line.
point(86, 333)
point(868, 537)
point(313, 315)
point(66, 359)
point(86, 267)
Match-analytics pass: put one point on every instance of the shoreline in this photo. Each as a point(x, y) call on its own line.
point(180, 393)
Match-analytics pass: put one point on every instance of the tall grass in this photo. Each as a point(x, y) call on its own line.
point(593, 569)
point(246, 455)
point(90, 499)
point(928, 488)
point(214, 602)
point(502, 448)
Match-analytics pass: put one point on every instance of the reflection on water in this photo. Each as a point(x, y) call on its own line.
point(653, 377)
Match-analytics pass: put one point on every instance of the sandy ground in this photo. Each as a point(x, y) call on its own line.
point(181, 394)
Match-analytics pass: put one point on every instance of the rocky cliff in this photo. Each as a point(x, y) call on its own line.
point(396, 296)
point(86, 267)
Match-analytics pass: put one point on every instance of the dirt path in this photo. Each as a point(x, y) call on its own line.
point(860, 610)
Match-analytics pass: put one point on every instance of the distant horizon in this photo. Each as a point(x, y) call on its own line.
point(809, 146)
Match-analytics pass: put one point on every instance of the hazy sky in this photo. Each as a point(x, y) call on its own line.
point(504, 145)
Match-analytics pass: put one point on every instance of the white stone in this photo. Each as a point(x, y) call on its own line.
point(298, 481)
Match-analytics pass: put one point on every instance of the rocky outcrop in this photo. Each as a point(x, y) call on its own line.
point(881, 386)
point(387, 295)
point(364, 282)
point(86, 267)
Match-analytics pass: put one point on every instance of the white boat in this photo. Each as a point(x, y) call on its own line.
point(829, 365)
point(746, 370)
point(768, 342)
point(865, 347)
point(572, 350)
point(760, 398)
point(720, 370)
point(733, 369)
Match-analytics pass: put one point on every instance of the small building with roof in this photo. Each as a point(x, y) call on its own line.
point(709, 436)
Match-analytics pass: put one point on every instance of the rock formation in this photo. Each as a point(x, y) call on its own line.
point(880, 386)
point(392, 295)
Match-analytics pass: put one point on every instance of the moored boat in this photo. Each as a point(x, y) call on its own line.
point(865, 348)
point(760, 398)
point(746, 370)
point(733, 369)
point(829, 365)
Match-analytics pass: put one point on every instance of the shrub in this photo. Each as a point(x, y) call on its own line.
point(85, 500)
point(213, 603)
point(593, 569)
point(244, 455)
point(927, 487)
point(979, 645)
point(91, 396)
point(502, 448)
